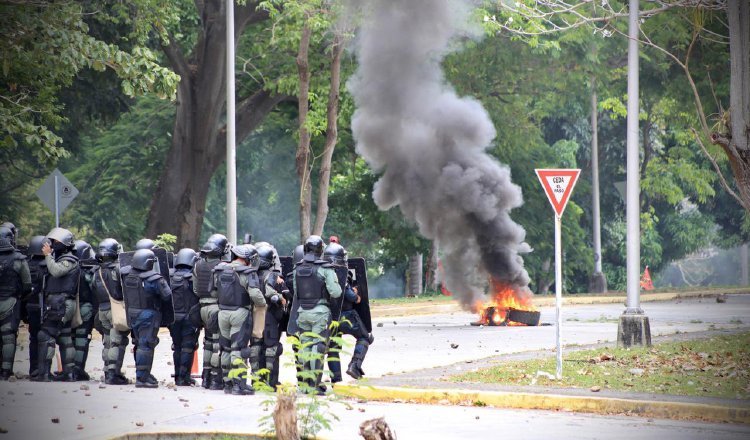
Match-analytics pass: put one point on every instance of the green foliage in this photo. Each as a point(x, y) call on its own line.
point(166, 241)
point(35, 69)
point(118, 171)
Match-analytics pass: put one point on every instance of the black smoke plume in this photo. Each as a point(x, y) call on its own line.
point(429, 143)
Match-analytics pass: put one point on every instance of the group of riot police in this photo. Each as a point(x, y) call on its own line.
point(244, 297)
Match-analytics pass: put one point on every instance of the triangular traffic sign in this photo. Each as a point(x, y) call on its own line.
point(558, 184)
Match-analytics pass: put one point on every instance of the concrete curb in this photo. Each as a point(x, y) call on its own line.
point(443, 306)
point(551, 402)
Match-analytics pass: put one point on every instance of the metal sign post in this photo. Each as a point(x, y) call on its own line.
point(56, 193)
point(558, 185)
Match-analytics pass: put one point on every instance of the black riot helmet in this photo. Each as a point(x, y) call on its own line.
point(215, 246)
point(82, 250)
point(298, 254)
point(143, 259)
point(314, 245)
point(145, 243)
point(63, 236)
point(248, 253)
point(335, 254)
point(13, 230)
point(267, 255)
point(35, 246)
point(185, 258)
point(6, 239)
point(109, 248)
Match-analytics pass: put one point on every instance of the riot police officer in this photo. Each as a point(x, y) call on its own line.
point(107, 287)
point(143, 290)
point(187, 321)
point(211, 254)
point(351, 322)
point(238, 292)
point(60, 293)
point(314, 286)
point(15, 282)
point(86, 305)
point(277, 296)
point(33, 301)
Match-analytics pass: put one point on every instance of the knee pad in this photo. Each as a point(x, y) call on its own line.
point(254, 352)
point(8, 337)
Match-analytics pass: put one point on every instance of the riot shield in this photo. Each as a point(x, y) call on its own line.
point(161, 265)
point(167, 307)
point(358, 268)
point(287, 266)
point(170, 260)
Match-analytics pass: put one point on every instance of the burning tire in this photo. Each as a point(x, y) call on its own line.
point(523, 316)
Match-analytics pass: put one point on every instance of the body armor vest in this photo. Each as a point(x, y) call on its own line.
point(134, 291)
point(182, 292)
point(85, 294)
point(107, 282)
point(10, 280)
point(37, 270)
point(310, 288)
point(232, 295)
point(66, 284)
point(203, 273)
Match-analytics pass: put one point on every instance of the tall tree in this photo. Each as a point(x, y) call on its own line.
point(45, 46)
point(198, 135)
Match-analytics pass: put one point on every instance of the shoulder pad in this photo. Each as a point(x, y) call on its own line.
point(322, 262)
point(221, 266)
point(69, 257)
point(327, 265)
point(125, 271)
point(244, 269)
point(150, 275)
point(19, 256)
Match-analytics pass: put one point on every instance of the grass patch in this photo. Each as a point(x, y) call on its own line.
point(715, 367)
point(414, 299)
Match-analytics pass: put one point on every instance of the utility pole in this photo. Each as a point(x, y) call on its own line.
point(598, 281)
point(633, 328)
point(231, 154)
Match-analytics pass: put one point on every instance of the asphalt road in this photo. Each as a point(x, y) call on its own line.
point(402, 344)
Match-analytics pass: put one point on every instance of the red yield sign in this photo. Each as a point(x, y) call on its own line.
point(558, 184)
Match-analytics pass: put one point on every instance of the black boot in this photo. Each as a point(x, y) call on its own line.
point(240, 388)
point(205, 378)
point(215, 381)
point(5, 374)
point(113, 378)
point(147, 381)
point(42, 372)
point(80, 374)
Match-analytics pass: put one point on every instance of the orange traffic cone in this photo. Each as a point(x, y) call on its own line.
point(646, 283)
point(194, 369)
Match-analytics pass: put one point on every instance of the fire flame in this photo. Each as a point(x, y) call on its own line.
point(503, 298)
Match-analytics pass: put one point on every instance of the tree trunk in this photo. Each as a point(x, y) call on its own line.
point(324, 180)
point(430, 278)
point(198, 146)
point(738, 149)
point(303, 148)
point(415, 275)
point(285, 416)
